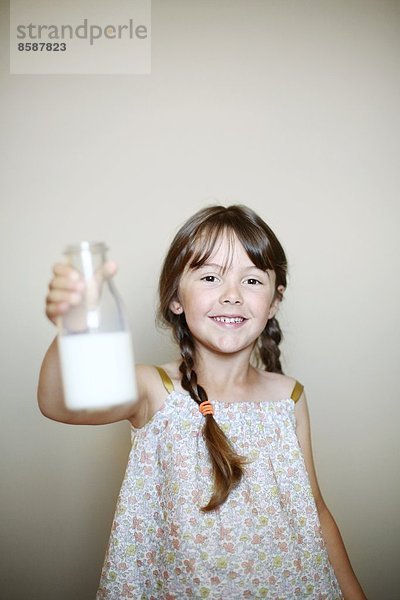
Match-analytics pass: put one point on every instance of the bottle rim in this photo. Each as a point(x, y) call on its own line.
point(86, 246)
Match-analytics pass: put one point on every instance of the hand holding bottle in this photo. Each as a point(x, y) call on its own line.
point(66, 288)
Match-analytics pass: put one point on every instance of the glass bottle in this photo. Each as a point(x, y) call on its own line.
point(94, 341)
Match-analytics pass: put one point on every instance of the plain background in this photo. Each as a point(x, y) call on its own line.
point(291, 107)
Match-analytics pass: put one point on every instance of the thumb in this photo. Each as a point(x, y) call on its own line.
point(95, 284)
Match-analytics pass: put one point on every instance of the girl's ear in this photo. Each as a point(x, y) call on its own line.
point(275, 304)
point(176, 307)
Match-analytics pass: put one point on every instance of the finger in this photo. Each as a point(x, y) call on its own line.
point(53, 311)
point(94, 285)
point(110, 268)
point(105, 271)
point(66, 271)
point(71, 298)
point(66, 283)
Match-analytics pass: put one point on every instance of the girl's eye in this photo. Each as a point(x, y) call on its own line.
point(209, 278)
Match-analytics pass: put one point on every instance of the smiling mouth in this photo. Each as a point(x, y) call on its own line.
point(230, 320)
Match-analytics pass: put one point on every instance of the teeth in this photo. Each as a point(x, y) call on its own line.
point(229, 320)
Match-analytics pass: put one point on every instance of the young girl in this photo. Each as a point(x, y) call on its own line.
point(220, 499)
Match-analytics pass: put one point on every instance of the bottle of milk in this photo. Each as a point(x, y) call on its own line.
point(94, 341)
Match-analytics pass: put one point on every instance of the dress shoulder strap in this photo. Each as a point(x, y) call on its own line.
point(297, 391)
point(166, 379)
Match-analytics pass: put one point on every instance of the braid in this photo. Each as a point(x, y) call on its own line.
point(189, 377)
point(269, 346)
point(227, 465)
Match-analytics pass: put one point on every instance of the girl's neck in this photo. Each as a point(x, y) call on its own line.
point(220, 373)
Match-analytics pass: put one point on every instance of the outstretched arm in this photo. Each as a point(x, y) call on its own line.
point(65, 291)
point(338, 557)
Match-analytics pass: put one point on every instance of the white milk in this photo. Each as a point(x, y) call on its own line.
point(97, 369)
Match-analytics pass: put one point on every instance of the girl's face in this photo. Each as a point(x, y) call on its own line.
point(228, 300)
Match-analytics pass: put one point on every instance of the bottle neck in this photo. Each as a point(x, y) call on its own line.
point(100, 309)
point(87, 257)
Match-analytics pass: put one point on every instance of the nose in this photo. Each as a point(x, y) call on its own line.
point(231, 294)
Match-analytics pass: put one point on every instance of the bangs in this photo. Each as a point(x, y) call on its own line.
point(208, 239)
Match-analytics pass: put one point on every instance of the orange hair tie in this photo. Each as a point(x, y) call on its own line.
point(206, 408)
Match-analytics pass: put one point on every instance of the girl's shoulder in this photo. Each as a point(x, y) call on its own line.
point(150, 381)
point(151, 394)
point(276, 385)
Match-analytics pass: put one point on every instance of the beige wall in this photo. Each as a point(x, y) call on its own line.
point(291, 107)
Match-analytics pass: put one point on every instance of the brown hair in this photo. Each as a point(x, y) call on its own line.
point(191, 247)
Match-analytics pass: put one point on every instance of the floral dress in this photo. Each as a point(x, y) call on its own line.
point(264, 542)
